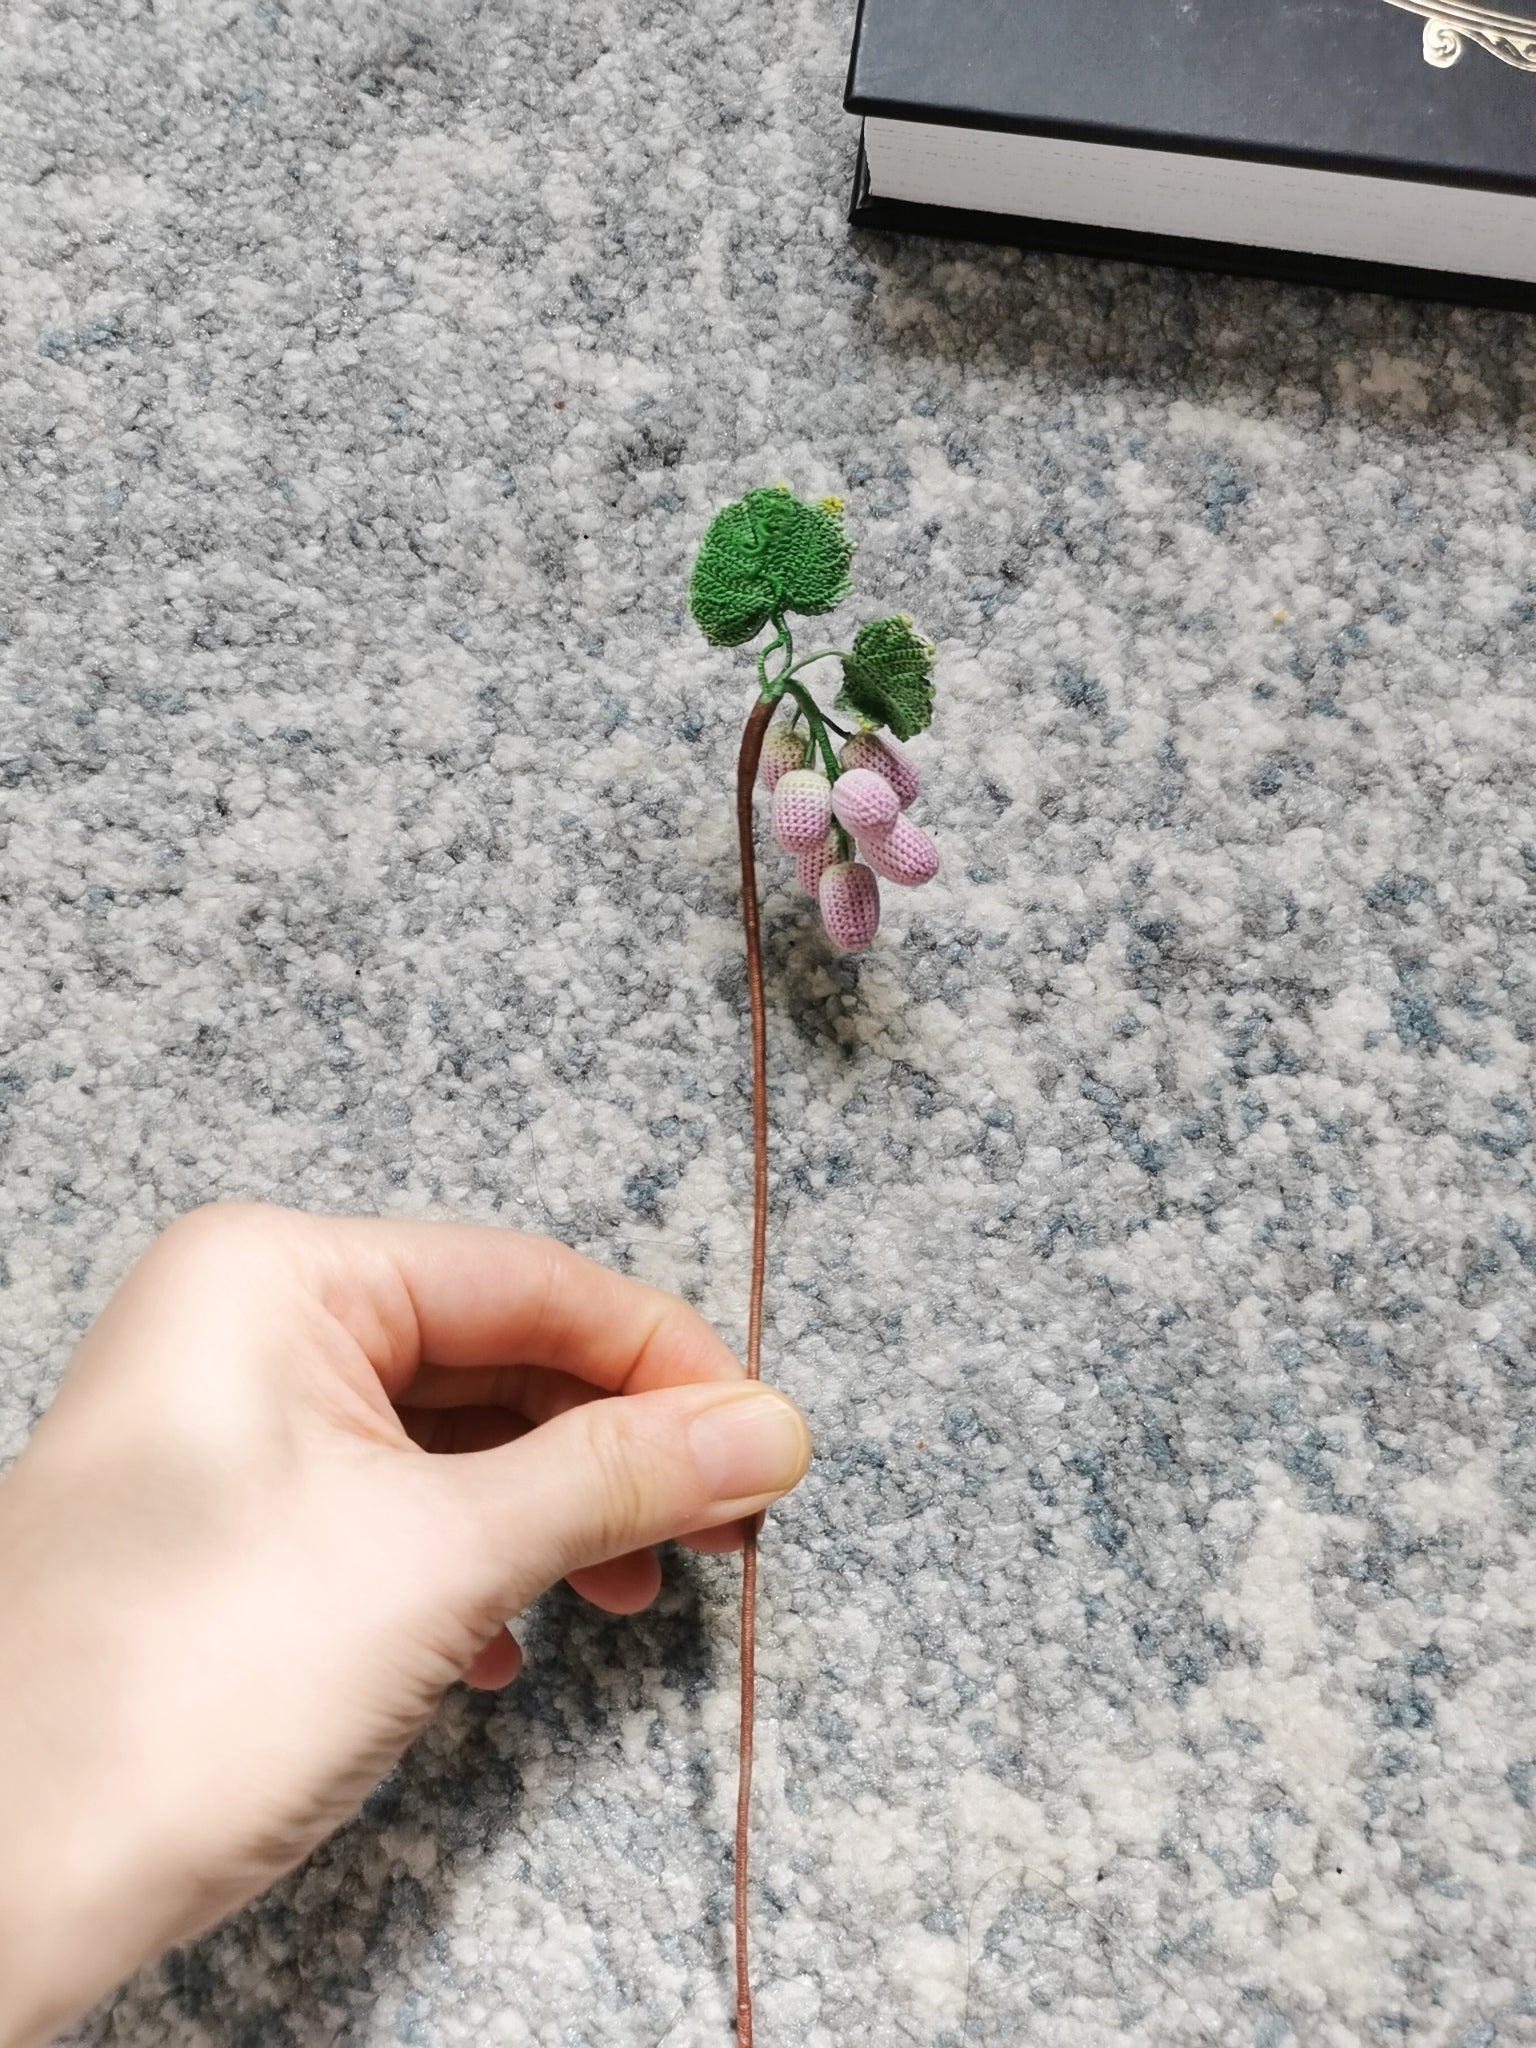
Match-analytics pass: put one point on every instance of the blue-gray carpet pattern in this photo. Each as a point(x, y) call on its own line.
point(1149, 1658)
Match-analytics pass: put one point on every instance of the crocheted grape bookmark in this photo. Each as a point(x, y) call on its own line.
point(841, 814)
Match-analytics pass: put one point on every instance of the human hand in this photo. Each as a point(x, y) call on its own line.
point(233, 1586)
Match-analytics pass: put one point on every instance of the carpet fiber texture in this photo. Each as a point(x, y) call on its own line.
point(1149, 1657)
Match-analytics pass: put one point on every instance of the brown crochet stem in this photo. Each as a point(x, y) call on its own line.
point(746, 782)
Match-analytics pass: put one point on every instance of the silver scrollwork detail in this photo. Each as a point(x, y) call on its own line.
point(1449, 25)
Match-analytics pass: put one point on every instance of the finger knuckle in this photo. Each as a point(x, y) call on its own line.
point(619, 1491)
point(222, 1224)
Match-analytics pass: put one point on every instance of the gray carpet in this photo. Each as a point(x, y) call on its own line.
point(1149, 1657)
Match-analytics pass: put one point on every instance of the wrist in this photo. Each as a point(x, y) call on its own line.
point(54, 1962)
point(84, 1896)
point(80, 1910)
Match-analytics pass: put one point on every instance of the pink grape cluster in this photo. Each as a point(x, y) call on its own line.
point(875, 785)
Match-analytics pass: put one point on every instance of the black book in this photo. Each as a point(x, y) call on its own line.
point(1384, 144)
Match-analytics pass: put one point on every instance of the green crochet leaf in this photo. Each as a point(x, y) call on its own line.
point(887, 679)
point(768, 553)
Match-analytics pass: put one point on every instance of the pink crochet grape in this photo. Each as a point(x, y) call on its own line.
point(810, 867)
point(903, 853)
point(802, 810)
point(883, 757)
point(850, 905)
point(864, 801)
point(783, 751)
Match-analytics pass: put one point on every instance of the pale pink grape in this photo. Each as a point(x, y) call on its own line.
point(802, 810)
point(810, 867)
point(883, 757)
point(903, 853)
point(850, 905)
point(864, 801)
point(783, 751)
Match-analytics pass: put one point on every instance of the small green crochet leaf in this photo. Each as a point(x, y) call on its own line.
point(887, 679)
point(768, 553)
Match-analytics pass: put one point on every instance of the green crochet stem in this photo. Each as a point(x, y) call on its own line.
point(818, 724)
point(773, 687)
point(821, 654)
point(783, 684)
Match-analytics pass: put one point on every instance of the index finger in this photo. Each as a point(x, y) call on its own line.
point(465, 1296)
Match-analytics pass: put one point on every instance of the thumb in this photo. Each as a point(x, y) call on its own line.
point(612, 1476)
